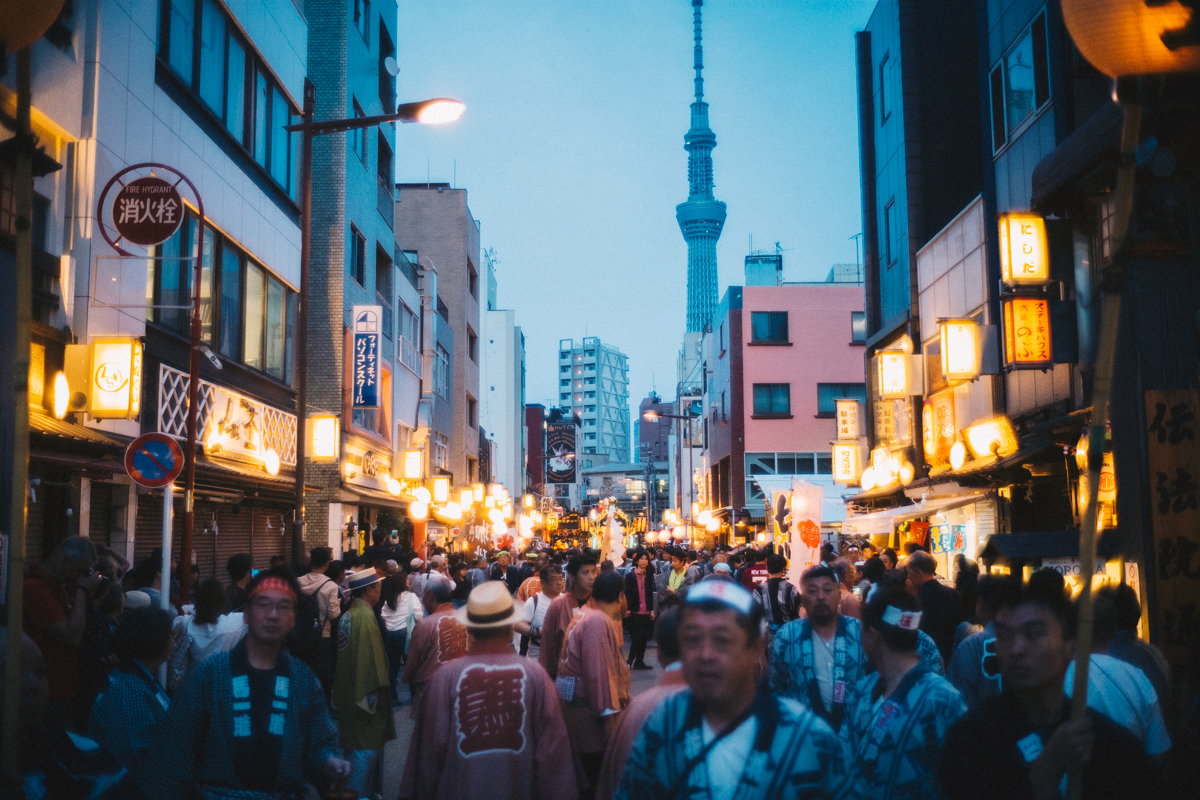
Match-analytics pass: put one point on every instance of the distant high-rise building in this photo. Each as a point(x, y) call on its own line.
point(594, 383)
point(702, 216)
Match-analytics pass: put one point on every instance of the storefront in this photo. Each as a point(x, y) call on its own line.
point(370, 496)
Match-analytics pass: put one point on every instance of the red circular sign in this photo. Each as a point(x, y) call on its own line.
point(147, 211)
point(153, 460)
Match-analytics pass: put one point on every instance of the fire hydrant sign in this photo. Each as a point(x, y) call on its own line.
point(364, 388)
point(147, 211)
point(153, 460)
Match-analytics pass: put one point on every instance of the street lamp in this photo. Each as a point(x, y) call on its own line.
point(437, 110)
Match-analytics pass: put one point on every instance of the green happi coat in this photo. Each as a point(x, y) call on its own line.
point(361, 687)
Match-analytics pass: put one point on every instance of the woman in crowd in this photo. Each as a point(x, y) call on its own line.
point(639, 594)
point(200, 636)
point(400, 611)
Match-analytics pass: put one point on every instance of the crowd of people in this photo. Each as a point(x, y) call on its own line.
point(869, 677)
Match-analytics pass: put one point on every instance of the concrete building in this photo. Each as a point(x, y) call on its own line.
point(919, 123)
point(353, 262)
point(594, 384)
point(778, 357)
point(202, 87)
point(535, 448)
point(435, 225)
point(503, 390)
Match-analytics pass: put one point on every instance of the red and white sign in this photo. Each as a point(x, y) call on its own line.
point(147, 211)
point(153, 460)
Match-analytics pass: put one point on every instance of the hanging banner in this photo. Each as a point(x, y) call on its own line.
point(1173, 458)
point(948, 538)
point(560, 446)
point(806, 528)
point(366, 374)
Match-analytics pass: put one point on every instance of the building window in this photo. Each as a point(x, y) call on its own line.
point(203, 49)
point(441, 372)
point(245, 311)
point(358, 256)
point(768, 326)
point(564, 369)
point(472, 345)
point(362, 18)
point(472, 280)
point(358, 136)
point(858, 327)
point(827, 393)
point(565, 383)
point(441, 451)
point(885, 110)
point(1020, 83)
point(384, 182)
point(387, 82)
point(772, 400)
point(891, 246)
point(384, 291)
point(410, 338)
point(472, 412)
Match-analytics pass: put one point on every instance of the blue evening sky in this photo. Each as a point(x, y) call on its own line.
point(571, 150)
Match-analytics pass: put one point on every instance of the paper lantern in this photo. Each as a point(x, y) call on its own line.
point(1134, 37)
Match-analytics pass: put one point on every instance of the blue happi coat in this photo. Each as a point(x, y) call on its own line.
point(897, 740)
point(795, 756)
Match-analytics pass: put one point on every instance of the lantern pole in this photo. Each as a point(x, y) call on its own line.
point(1112, 280)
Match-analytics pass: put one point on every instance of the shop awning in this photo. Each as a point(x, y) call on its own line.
point(885, 521)
point(49, 426)
point(1042, 544)
point(361, 494)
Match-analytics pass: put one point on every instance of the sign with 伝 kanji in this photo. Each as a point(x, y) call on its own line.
point(364, 373)
point(147, 211)
point(1027, 333)
point(1173, 458)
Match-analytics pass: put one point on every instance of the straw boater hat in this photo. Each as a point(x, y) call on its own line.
point(489, 606)
point(363, 579)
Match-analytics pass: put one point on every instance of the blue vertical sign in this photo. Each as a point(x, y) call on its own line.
point(365, 373)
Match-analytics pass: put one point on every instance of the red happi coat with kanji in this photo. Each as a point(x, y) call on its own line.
point(591, 659)
point(437, 640)
point(489, 725)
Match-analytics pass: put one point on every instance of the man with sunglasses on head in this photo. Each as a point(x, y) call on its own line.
point(726, 735)
point(252, 722)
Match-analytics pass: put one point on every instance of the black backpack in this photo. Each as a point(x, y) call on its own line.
point(303, 640)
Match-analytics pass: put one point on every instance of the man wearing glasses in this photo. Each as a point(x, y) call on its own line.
point(251, 722)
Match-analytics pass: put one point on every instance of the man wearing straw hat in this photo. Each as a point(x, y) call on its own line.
point(362, 684)
point(488, 724)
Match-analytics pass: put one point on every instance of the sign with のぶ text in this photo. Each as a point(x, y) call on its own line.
point(364, 389)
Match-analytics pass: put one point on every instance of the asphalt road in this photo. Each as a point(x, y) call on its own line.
point(396, 751)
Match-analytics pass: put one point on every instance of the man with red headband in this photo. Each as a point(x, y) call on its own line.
point(251, 722)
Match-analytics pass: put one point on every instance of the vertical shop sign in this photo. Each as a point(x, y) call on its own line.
point(365, 387)
point(847, 420)
point(560, 446)
point(1173, 455)
point(1027, 332)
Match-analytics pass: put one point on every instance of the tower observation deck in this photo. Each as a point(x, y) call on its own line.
point(702, 216)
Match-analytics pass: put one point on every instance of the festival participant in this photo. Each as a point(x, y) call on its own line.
point(488, 724)
point(940, 604)
point(361, 684)
point(725, 736)
point(1126, 645)
point(581, 570)
point(777, 596)
point(897, 718)
point(674, 581)
point(847, 576)
point(817, 658)
point(593, 681)
point(639, 597)
point(126, 717)
point(535, 608)
point(504, 570)
point(974, 669)
point(437, 639)
point(667, 640)
point(329, 608)
point(252, 722)
point(1022, 742)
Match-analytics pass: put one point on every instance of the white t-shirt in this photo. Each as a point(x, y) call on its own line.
point(823, 659)
point(1124, 694)
point(535, 609)
point(407, 605)
point(728, 757)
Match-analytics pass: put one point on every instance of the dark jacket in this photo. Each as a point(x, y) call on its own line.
point(941, 611)
point(631, 589)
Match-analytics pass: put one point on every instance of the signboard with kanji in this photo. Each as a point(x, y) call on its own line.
point(938, 428)
point(365, 380)
point(147, 211)
point(1173, 458)
point(1023, 251)
point(1027, 333)
point(847, 420)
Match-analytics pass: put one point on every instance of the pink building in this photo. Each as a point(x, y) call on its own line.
point(778, 357)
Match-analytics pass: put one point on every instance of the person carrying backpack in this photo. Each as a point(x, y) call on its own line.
point(317, 607)
point(778, 597)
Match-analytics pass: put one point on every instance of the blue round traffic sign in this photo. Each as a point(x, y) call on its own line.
point(153, 460)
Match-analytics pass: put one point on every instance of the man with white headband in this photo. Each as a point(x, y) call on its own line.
point(897, 718)
point(726, 736)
